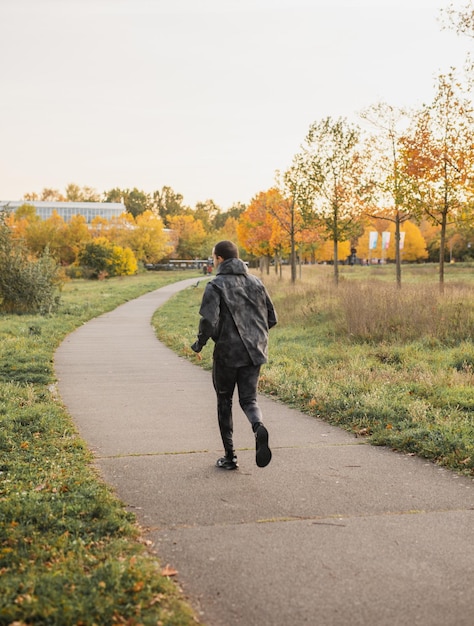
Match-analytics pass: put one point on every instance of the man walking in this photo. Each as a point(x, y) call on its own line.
point(236, 312)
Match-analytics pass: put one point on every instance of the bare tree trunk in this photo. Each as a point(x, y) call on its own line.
point(293, 247)
point(336, 263)
point(398, 261)
point(442, 245)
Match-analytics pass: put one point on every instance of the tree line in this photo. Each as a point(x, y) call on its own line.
point(404, 176)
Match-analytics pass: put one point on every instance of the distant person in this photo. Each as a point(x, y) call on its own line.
point(236, 312)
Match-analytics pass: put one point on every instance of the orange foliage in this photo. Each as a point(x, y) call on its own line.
point(257, 225)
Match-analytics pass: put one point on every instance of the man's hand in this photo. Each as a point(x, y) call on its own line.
point(196, 348)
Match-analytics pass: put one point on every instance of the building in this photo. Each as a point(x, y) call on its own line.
point(66, 210)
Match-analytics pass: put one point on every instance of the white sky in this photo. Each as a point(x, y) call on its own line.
point(209, 97)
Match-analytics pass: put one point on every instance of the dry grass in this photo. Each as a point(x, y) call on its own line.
point(373, 310)
point(396, 366)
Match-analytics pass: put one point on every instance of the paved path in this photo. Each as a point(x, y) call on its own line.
point(333, 532)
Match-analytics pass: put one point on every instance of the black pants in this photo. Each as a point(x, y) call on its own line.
point(225, 379)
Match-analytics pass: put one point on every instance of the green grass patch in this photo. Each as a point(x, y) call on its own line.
point(69, 551)
point(395, 366)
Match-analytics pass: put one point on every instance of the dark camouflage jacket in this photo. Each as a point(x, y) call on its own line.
point(236, 312)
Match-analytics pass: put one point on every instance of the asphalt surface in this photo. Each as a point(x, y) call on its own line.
point(333, 532)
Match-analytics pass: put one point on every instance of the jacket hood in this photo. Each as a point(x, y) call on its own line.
point(232, 266)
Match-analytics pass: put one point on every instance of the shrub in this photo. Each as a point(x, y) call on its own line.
point(101, 258)
point(27, 284)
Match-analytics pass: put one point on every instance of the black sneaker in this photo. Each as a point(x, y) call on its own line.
point(263, 452)
point(228, 463)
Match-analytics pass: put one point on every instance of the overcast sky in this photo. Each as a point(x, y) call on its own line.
point(209, 97)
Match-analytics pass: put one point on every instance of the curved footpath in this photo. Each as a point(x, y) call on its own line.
point(333, 532)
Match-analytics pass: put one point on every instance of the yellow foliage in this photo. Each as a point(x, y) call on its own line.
point(325, 251)
point(414, 245)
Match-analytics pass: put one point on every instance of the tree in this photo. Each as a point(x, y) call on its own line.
point(256, 225)
point(116, 229)
point(412, 245)
point(235, 212)
point(439, 155)
point(51, 195)
point(114, 195)
point(391, 186)
point(335, 166)
point(148, 239)
point(298, 188)
point(47, 234)
point(207, 212)
point(135, 201)
point(189, 235)
point(228, 231)
point(76, 235)
point(169, 204)
point(19, 220)
point(28, 212)
point(462, 20)
point(74, 193)
point(325, 252)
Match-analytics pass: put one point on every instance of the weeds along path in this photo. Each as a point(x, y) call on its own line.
point(332, 532)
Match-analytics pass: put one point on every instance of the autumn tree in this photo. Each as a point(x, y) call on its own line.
point(48, 235)
point(167, 203)
point(234, 212)
point(19, 220)
point(324, 253)
point(46, 195)
point(294, 213)
point(116, 229)
point(188, 235)
point(28, 212)
point(135, 200)
point(256, 225)
point(207, 212)
point(75, 235)
point(411, 245)
point(228, 231)
point(147, 238)
point(114, 195)
point(439, 155)
point(74, 193)
point(391, 187)
point(461, 19)
point(334, 163)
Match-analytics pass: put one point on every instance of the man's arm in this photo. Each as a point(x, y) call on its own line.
point(209, 311)
point(271, 313)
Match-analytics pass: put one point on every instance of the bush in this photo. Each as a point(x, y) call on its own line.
point(27, 284)
point(100, 259)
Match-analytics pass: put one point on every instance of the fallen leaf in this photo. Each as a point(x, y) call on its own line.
point(168, 571)
point(156, 599)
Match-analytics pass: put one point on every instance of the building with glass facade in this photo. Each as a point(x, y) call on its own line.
point(66, 210)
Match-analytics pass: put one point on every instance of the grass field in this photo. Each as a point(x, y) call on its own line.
point(394, 366)
point(69, 551)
